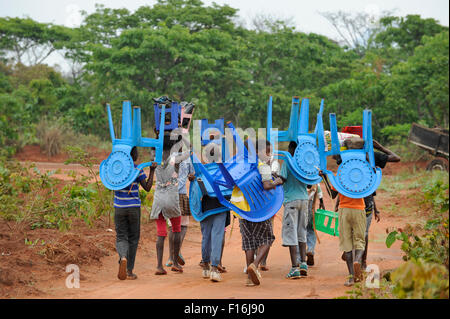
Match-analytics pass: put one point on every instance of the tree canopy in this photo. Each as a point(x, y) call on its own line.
point(193, 52)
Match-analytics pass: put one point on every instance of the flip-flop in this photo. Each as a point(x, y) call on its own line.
point(176, 269)
point(159, 272)
point(264, 267)
point(221, 269)
point(169, 264)
point(253, 273)
point(181, 260)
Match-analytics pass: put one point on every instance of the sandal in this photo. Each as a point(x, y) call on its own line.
point(169, 263)
point(176, 269)
point(181, 261)
point(263, 267)
point(161, 272)
point(253, 273)
point(221, 269)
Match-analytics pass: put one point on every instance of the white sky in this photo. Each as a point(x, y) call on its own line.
point(304, 13)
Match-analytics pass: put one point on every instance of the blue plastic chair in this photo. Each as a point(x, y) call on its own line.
point(356, 176)
point(306, 157)
point(200, 187)
point(242, 171)
point(118, 171)
point(206, 128)
point(175, 112)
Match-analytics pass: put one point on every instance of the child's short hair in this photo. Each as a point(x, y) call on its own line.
point(292, 146)
point(134, 153)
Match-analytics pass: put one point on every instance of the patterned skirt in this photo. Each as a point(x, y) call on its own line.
point(184, 205)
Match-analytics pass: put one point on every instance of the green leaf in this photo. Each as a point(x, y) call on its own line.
point(391, 238)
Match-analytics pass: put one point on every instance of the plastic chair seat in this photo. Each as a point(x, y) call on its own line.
point(118, 171)
point(356, 176)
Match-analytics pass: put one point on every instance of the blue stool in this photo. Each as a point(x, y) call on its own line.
point(306, 157)
point(118, 171)
point(175, 112)
point(356, 176)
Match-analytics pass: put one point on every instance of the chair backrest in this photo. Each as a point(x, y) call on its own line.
point(206, 128)
point(174, 110)
point(291, 133)
point(242, 171)
point(118, 171)
point(305, 161)
point(356, 176)
point(185, 115)
point(263, 204)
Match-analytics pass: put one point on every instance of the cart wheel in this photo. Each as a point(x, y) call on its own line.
point(439, 163)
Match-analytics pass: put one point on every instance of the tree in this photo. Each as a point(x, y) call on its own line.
point(30, 42)
point(356, 31)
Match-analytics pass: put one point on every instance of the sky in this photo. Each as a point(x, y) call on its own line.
point(303, 13)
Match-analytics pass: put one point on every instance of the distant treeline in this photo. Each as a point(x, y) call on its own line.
point(193, 52)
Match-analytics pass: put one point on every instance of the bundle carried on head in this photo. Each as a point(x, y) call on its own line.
point(354, 143)
point(162, 100)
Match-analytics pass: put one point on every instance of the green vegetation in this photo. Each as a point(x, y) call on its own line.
point(190, 51)
point(47, 202)
point(425, 274)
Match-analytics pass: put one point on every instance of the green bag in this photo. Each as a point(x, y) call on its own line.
point(324, 222)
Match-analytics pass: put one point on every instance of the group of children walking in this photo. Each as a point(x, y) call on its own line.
point(171, 207)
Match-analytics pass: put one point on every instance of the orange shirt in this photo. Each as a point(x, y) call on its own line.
point(347, 202)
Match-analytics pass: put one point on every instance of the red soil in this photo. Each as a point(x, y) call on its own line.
point(38, 271)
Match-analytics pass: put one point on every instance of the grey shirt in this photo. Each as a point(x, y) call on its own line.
point(166, 198)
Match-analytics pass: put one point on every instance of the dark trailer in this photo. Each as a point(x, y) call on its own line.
point(433, 140)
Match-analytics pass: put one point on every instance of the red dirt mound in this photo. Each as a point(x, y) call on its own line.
point(34, 256)
point(33, 153)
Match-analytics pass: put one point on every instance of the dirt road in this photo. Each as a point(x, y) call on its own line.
point(325, 279)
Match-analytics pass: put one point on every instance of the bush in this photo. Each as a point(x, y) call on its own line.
point(33, 199)
point(425, 275)
point(52, 135)
point(420, 279)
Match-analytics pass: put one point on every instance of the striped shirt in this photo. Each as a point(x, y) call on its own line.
point(129, 196)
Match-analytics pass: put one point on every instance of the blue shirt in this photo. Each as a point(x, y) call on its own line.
point(185, 169)
point(293, 188)
point(129, 196)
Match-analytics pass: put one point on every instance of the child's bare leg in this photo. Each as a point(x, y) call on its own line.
point(176, 251)
point(302, 249)
point(293, 253)
point(249, 256)
point(159, 255)
point(171, 256)
point(262, 252)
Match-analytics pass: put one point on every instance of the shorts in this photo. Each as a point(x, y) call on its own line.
point(184, 205)
point(256, 234)
point(161, 225)
point(295, 222)
point(352, 228)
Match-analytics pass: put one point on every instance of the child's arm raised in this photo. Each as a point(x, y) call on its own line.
point(147, 184)
point(268, 185)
